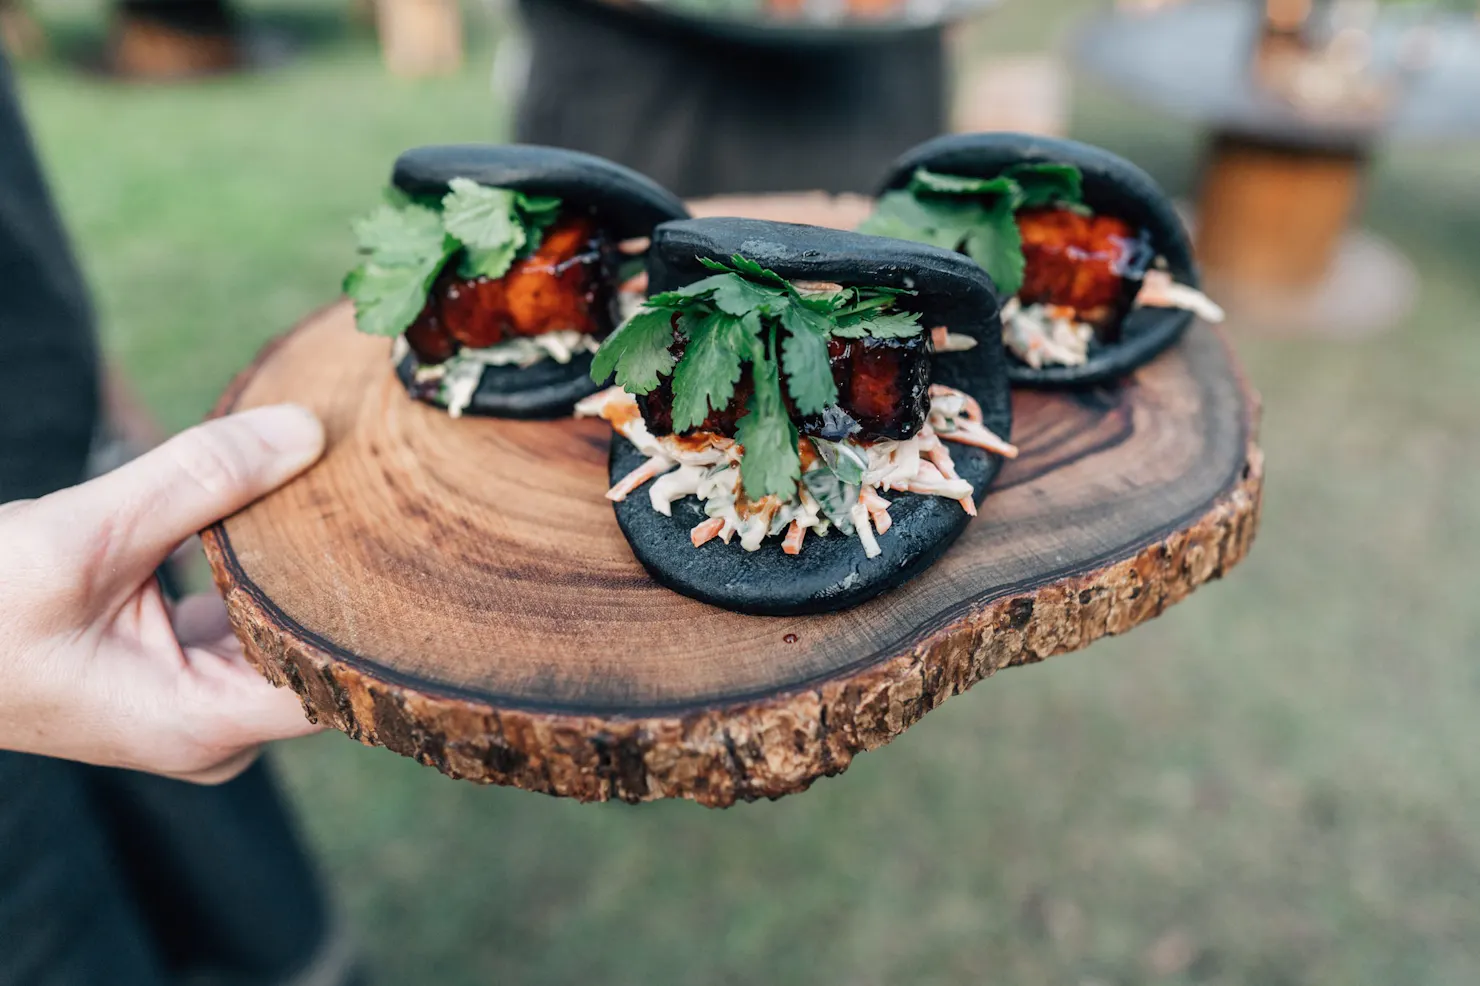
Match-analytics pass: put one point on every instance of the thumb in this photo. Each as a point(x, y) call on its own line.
point(151, 504)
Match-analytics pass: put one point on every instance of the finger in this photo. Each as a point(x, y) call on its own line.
point(200, 619)
point(222, 772)
point(234, 705)
point(136, 515)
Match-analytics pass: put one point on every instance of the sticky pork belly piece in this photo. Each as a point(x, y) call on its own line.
point(883, 385)
point(566, 284)
point(1091, 264)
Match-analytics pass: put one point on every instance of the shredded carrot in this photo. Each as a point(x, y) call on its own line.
point(636, 284)
point(877, 507)
point(794, 536)
point(970, 408)
point(928, 473)
point(707, 531)
point(978, 437)
point(635, 478)
point(938, 337)
point(968, 505)
point(941, 457)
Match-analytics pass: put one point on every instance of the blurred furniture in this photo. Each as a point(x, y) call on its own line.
point(173, 39)
point(803, 23)
point(420, 38)
point(20, 33)
point(1024, 93)
point(710, 110)
point(1293, 125)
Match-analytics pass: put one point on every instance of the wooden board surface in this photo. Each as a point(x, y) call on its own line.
point(459, 591)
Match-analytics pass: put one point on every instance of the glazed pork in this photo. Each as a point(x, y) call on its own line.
point(883, 385)
point(1090, 264)
point(566, 284)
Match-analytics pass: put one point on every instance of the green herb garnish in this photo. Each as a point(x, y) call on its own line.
point(744, 314)
point(834, 496)
point(407, 242)
point(975, 215)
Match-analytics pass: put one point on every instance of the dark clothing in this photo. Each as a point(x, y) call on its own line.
point(48, 361)
point(108, 876)
point(705, 116)
point(118, 878)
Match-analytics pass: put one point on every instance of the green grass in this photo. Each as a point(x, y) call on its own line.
point(1278, 782)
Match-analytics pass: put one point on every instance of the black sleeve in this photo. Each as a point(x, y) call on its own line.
point(705, 115)
point(48, 356)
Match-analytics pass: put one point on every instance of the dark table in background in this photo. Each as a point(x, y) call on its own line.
point(707, 113)
point(1281, 185)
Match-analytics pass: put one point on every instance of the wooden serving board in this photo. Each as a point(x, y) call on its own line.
point(458, 590)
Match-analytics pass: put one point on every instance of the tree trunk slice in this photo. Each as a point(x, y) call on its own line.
point(1368, 289)
point(459, 592)
point(1274, 216)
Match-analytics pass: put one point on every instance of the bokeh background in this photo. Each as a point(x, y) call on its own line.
point(1278, 782)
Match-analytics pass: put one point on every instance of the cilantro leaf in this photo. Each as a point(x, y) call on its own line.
point(537, 205)
point(890, 325)
point(638, 352)
point(729, 292)
point(705, 377)
point(804, 356)
point(492, 263)
point(930, 181)
point(844, 460)
point(1047, 184)
point(745, 266)
point(941, 223)
point(399, 237)
point(859, 302)
point(835, 497)
point(406, 248)
point(684, 297)
point(734, 295)
point(538, 213)
point(865, 316)
point(769, 463)
point(997, 246)
point(486, 222)
point(387, 299)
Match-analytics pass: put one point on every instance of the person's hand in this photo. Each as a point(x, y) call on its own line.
point(94, 664)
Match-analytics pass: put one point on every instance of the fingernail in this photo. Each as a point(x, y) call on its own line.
point(287, 428)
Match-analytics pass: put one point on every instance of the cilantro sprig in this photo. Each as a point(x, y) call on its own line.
point(405, 243)
point(975, 215)
point(743, 314)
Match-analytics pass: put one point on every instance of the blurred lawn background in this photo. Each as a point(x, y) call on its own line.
point(1276, 783)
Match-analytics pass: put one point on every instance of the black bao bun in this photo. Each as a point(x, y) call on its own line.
point(1112, 186)
point(625, 203)
point(832, 572)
